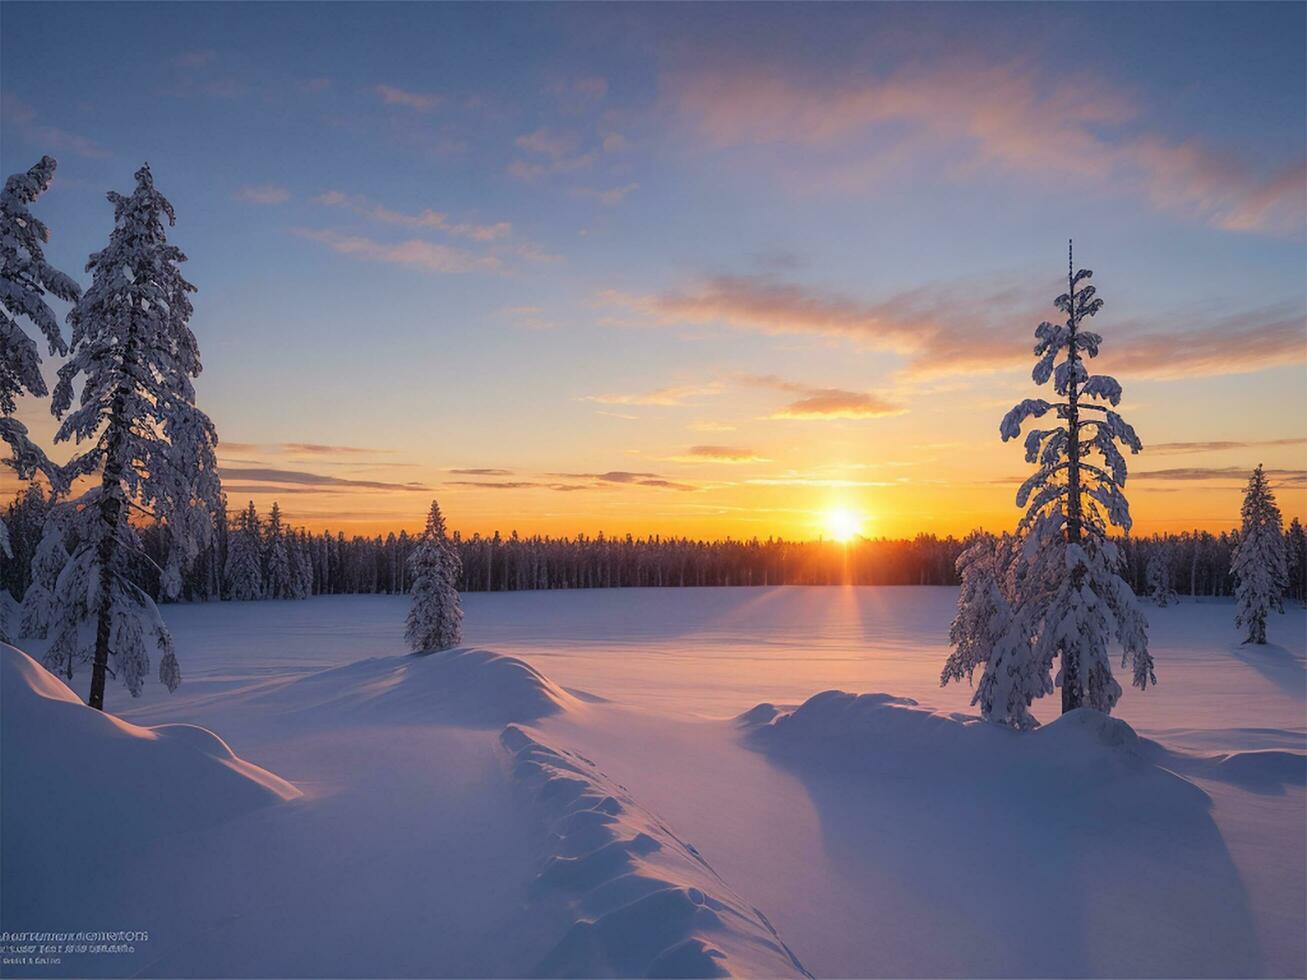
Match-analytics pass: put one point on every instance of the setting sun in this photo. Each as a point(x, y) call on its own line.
point(842, 524)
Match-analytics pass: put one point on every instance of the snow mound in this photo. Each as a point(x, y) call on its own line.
point(1079, 829)
point(640, 901)
point(462, 686)
point(1082, 752)
point(73, 775)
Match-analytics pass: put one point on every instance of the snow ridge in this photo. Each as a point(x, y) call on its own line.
point(641, 901)
point(463, 686)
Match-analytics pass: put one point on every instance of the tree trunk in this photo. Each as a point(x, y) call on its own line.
point(111, 505)
point(1071, 656)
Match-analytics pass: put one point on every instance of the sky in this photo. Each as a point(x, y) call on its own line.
point(713, 270)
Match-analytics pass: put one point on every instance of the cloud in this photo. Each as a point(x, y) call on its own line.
point(322, 449)
point(547, 142)
point(262, 194)
point(719, 454)
point(194, 59)
point(1234, 343)
point(1180, 448)
point(705, 425)
point(808, 481)
point(823, 403)
point(425, 218)
point(519, 485)
point(835, 403)
point(412, 254)
point(418, 101)
point(25, 120)
point(1002, 118)
point(1215, 473)
point(610, 197)
point(268, 475)
point(923, 325)
point(576, 95)
point(530, 317)
point(554, 152)
point(627, 478)
point(482, 471)
point(670, 395)
point(305, 448)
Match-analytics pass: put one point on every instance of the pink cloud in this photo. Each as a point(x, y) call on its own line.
point(418, 101)
point(924, 327)
point(1006, 118)
point(413, 254)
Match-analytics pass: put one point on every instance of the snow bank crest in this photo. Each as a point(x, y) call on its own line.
point(640, 901)
point(463, 686)
point(72, 775)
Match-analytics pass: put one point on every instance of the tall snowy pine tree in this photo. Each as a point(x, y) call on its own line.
point(1259, 566)
point(1068, 597)
point(25, 278)
point(277, 574)
point(984, 612)
point(435, 619)
point(1158, 574)
point(244, 565)
point(136, 356)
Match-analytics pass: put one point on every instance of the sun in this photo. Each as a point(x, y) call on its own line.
point(842, 524)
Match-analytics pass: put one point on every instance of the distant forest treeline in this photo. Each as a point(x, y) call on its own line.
point(295, 563)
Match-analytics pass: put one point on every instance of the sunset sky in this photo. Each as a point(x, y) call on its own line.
point(709, 270)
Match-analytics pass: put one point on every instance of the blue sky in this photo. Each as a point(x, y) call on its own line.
point(604, 249)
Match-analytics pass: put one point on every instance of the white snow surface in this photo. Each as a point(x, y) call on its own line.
point(657, 782)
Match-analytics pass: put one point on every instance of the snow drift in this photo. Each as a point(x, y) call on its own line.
point(71, 773)
point(462, 686)
point(1037, 846)
point(640, 901)
point(81, 790)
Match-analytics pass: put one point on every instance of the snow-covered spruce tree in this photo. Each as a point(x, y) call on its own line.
point(25, 279)
point(244, 564)
point(1158, 574)
point(1295, 543)
point(1259, 563)
point(984, 613)
point(39, 603)
point(435, 620)
point(1069, 599)
point(135, 354)
point(301, 566)
point(277, 582)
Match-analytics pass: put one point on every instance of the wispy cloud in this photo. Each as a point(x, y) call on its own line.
point(519, 485)
point(825, 403)
point(262, 194)
point(481, 471)
point(299, 448)
point(812, 481)
point(412, 254)
point(426, 218)
point(549, 152)
point(923, 325)
point(719, 454)
point(24, 119)
point(301, 478)
point(1216, 473)
point(418, 101)
point(1181, 448)
point(669, 395)
point(611, 197)
point(194, 59)
point(627, 478)
point(1003, 118)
